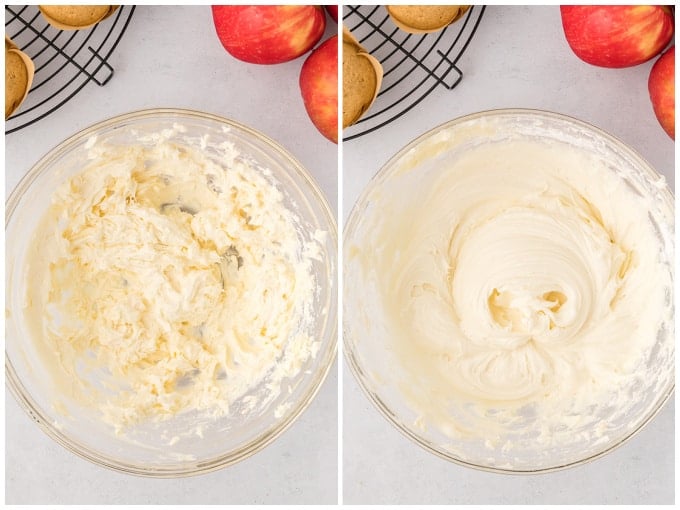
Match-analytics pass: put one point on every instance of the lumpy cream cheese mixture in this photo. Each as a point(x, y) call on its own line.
point(163, 281)
point(520, 290)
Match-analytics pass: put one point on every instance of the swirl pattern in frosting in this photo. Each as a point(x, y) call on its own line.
point(516, 289)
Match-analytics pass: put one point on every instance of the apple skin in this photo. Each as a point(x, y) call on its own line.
point(319, 87)
point(617, 35)
point(661, 86)
point(332, 11)
point(268, 34)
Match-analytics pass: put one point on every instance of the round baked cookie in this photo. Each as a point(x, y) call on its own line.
point(358, 84)
point(361, 79)
point(19, 70)
point(75, 17)
point(425, 18)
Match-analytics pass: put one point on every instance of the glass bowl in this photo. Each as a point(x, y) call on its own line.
point(177, 446)
point(456, 364)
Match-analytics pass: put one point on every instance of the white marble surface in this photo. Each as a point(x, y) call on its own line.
point(519, 58)
point(171, 57)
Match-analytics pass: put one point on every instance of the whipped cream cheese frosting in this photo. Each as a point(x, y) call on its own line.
point(163, 281)
point(517, 290)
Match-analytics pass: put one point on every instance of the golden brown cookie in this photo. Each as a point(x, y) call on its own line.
point(75, 17)
point(361, 80)
point(19, 70)
point(425, 18)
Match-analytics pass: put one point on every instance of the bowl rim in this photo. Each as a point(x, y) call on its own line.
point(328, 356)
point(350, 224)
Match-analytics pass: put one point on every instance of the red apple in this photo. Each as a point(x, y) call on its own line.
point(333, 11)
point(319, 88)
point(662, 90)
point(617, 35)
point(268, 34)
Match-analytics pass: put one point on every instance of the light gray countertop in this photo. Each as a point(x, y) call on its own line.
point(519, 58)
point(171, 57)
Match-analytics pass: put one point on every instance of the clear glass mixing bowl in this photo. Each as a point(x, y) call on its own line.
point(368, 333)
point(146, 450)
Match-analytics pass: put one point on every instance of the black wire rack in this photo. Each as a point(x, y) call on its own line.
point(413, 64)
point(65, 60)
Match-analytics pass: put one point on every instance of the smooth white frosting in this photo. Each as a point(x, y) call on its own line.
point(515, 289)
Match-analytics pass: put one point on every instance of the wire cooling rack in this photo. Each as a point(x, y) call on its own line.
point(413, 65)
point(65, 60)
